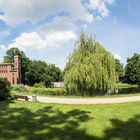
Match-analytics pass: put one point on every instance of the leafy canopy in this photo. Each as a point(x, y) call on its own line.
point(40, 71)
point(90, 68)
point(132, 71)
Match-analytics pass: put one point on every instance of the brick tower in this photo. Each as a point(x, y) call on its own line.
point(17, 67)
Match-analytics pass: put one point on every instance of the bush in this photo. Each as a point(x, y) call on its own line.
point(19, 88)
point(5, 90)
point(131, 90)
point(124, 88)
point(39, 85)
point(47, 91)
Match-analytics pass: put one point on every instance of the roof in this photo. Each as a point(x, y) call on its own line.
point(5, 64)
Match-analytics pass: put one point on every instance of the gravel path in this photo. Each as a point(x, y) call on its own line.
point(86, 101)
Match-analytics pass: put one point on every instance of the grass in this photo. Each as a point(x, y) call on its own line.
point(125, 85)
point(39, 121)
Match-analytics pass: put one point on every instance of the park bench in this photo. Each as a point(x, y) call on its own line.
point(21, 97)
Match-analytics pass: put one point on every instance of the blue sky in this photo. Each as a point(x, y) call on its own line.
point(47, 30)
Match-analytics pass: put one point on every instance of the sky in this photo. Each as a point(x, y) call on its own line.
point(47, 29)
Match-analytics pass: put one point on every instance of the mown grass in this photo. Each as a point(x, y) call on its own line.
point(39, 121)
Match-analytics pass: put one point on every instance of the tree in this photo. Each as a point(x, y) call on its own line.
point(40, 71)
point(37, 73)
point(4, 90)
point(119, 69)
point(90, 68)
point(25, 61)
point(132, 70)
point(55, 73)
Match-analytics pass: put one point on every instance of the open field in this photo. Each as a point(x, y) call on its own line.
point(24, 121)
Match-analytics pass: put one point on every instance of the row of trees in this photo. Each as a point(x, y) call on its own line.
point(34, 71)
point(90, 68)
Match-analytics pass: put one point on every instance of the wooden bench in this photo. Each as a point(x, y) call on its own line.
point(21, 97)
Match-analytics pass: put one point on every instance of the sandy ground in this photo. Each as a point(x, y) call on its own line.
point(86, 101)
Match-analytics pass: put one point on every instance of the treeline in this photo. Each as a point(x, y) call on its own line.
point(90, 69)
point(34, 71)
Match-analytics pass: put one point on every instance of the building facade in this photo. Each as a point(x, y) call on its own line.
point(11, 72)
point(58, 84)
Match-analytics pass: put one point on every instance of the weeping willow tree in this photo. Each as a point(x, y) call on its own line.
point(90, 68)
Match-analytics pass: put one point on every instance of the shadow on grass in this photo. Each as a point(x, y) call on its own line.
point(126, 130)
point(50, 123)
point(45, 124)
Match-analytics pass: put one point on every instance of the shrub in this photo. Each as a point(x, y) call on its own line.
point(5, 90)
point(39, 85)
point(19, 88)
point(47, 91)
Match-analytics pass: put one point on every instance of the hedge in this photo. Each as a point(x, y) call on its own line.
point(47, 91)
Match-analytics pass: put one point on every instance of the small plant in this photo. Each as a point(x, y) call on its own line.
point(19, 88)
point(5, 90)
point(39, 85)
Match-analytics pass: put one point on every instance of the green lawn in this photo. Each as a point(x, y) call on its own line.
point(39, 121)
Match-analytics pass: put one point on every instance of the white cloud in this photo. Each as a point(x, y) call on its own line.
point(3, 18)
point(28, 41)
point(59, 23)
point(100, 6)
point(18, 11)
point(59, 38)
point(33, 41)
point(59, 31)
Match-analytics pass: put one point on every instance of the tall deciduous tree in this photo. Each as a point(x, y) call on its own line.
point(90, 68)
point(132, 72)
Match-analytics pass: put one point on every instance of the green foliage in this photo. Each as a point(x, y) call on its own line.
point(132, 70)
point(39, 85)
point(40, 71)
point(55, 73)
point(19, 88)
point(119, 69)
point(46, 91)
point(5, 90)
point(37, 73)
point(90, 68)
point(25, 61)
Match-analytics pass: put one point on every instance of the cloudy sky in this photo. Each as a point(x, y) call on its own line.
point(47, 29)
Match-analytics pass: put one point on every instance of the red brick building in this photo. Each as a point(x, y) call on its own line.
point(12, 72)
